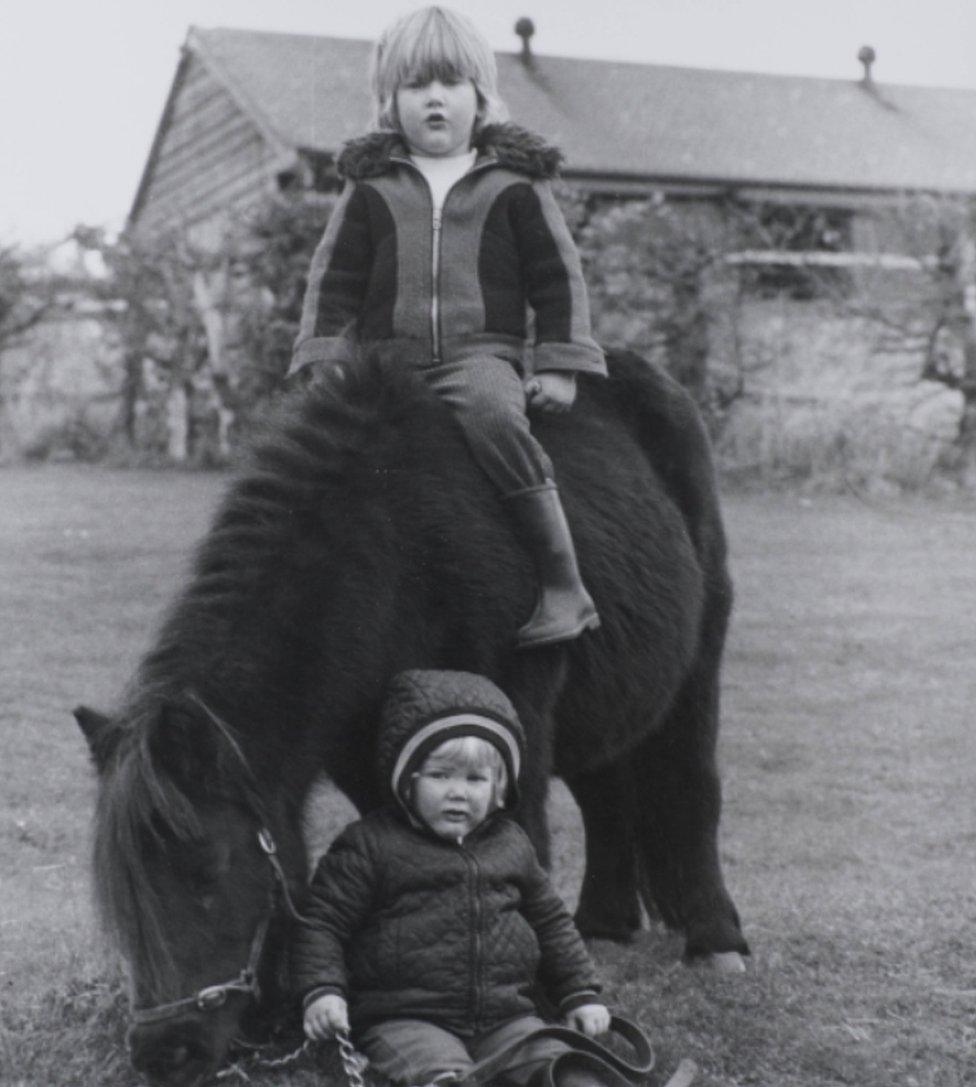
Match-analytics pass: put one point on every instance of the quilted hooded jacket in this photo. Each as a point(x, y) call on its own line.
point(423, 289)
point(404, 923)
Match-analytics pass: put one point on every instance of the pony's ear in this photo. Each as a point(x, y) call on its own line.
point(186, 747)
point(100, 731)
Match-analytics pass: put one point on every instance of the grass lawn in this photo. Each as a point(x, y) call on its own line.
point(849, 829)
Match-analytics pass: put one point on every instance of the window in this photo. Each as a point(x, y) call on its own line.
point(793, 247)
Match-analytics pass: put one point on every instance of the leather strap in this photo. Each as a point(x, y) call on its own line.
point(630, 1071)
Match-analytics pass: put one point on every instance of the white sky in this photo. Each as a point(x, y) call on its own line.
point(83, 82)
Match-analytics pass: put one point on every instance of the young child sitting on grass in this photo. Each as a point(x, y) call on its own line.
point(431, 921)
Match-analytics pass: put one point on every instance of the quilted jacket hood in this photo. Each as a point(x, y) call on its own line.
point(424, 708)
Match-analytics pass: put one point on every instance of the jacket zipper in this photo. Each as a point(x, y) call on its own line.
point(476, 938)
point(435, 294)
point(435, 258)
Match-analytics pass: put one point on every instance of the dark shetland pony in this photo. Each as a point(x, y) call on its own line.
point(363, 540)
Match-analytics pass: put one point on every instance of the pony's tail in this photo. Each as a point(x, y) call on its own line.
point(671, 430)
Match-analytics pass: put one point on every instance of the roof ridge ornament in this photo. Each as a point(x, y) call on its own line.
point(525, 28)
point(867, 56)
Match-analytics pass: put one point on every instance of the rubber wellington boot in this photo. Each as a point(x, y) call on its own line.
point(564, 608)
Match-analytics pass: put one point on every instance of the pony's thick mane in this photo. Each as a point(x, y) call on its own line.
point(303, 455)
point(300, 458)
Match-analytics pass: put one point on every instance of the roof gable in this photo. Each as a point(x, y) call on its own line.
point(212, 147)
point(637, 120)
point(311, 91)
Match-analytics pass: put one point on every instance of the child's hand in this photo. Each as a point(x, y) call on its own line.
point(589, 1019)
point(552, 390)
point(326, 1016)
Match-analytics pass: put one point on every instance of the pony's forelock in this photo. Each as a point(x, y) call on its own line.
point(433, 43)
point(137, 805)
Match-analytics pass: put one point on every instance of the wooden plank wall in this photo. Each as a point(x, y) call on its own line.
point(211, 157)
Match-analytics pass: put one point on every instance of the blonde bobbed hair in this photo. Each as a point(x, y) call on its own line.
point(433, 43)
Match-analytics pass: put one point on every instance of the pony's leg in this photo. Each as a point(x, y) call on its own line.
point(675, 769)
point(677, 821)
point(532, 815)
point(350, 766)
point(357, 789)
point(534, 681)
point(534, 784)
point(608, 905)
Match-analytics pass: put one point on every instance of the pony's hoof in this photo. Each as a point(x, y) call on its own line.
point(722, 962)
point(619, 932)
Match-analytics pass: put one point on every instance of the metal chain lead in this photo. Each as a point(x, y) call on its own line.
point(353, 1063)
point(265, 1064)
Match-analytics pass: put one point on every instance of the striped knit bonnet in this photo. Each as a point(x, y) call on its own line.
point(425, 708)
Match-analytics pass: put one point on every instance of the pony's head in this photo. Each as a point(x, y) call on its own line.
point(186, 877)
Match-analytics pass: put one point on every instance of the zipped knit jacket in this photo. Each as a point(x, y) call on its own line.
point(390, 275)
point(406, 924)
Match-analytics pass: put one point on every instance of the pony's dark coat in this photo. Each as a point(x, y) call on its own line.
point(362, 540)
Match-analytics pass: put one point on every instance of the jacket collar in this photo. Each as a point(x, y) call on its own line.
point(404, 814)
point(506, 145)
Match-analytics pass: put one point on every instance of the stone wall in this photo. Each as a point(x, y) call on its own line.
point(832, 396)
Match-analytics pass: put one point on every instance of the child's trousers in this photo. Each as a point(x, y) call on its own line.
point(411, 1052)
point(488, 399)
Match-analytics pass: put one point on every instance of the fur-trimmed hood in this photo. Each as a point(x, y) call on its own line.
point(507, 144)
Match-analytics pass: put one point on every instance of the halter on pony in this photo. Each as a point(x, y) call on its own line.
point(211, 997)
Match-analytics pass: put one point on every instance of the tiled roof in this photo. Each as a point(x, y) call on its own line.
point(639, 120)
